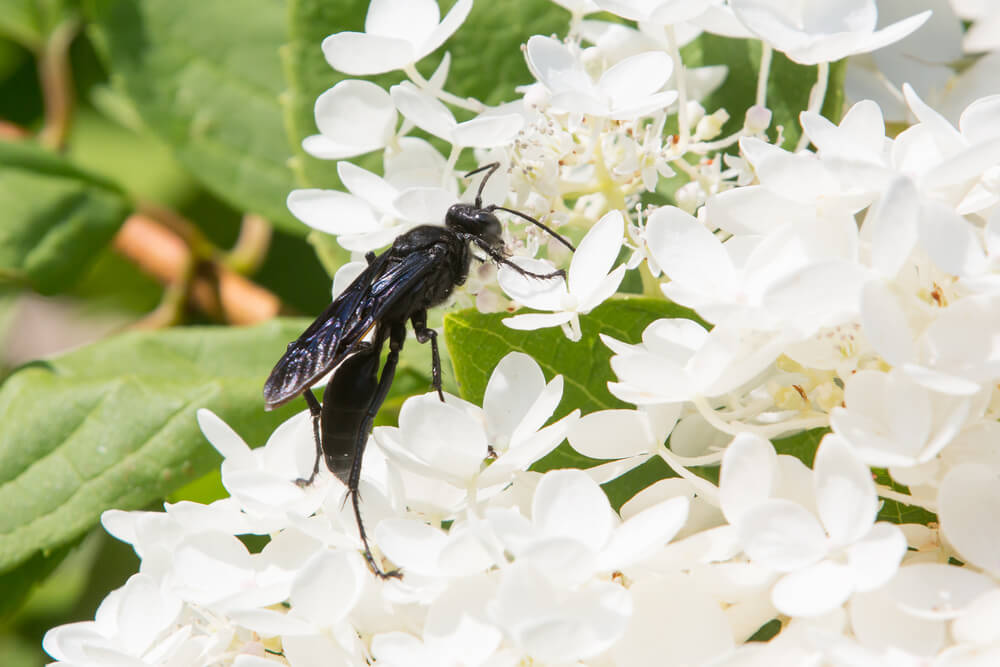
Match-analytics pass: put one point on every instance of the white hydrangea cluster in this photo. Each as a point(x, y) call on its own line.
point(853, 287)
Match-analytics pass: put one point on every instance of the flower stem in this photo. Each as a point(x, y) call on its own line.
point(905, 498)
point(816, 98)
point(763, 73)
point(422, 83)
point(768, 431)
point(684, 131)
point(57, 84)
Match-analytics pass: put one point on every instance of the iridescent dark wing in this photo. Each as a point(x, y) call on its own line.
point(336, 332)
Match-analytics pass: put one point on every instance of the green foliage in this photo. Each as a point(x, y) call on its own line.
point(206, 80)
point(112, 425)
point(479, 341)
point(56, 218)
point(491, 34)
point(788, 85)
point(29, 22)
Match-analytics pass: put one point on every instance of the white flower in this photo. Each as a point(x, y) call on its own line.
point(591, 281)
point(821, 30)
point(888, 420)
point(629, 437)
point(626, 91)
point(955, 353)
point(825, 556)
point(354, 117)
point(132, 624)
point(769, 283)
point(689, 16)
point(573, 535)
point(262, 480)
point(487, 130)
point(377, 210)
point(558, 625)
point(925, 59)
point(398, 33)
point(450, 442)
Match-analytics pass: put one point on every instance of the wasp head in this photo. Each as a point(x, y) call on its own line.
point(471, 219)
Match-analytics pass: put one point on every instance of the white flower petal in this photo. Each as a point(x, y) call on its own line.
point(411, 20)
point(612, 434)
point(967, 502)
point(643, 534)
point(552, 63)
point(515, 384)
point(569, 504)
point(356, 113)
point(358, 54)
point(596, 254)
point(876, 557)
point(885, 324)
point(891, 227)
point(936, 590)
point(880, 624)
point(633, 79)
point(225, 440)
point(845, 494)
point(548, 294)
point(813, 590)
point(747, 475)
point(686, 251)
point(331, 211)
point(423, 110)
point(782, 535)
point(327, 587)
point(487, 131)
point(451, 22)
point(423, 204)
point(673, 617)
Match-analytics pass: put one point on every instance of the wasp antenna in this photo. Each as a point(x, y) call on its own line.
point(491, 167)
point(557, 237)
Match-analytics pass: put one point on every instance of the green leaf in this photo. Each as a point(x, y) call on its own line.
point(113, 425)
point(493, 34)
point(801, 445)
point(788, 85)
point(56, 217)
point(479, 341)
point(29, 22)
point(205, 77)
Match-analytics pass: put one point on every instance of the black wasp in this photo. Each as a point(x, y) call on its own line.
point(418, 272)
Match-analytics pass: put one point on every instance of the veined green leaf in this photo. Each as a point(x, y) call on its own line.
point(56, 217)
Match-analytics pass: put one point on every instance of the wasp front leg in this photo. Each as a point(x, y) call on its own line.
point(499, 258)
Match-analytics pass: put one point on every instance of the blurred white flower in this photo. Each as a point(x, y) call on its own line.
point(398, 33)
point(821, 30)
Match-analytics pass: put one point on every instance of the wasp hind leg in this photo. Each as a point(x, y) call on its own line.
point(396, 339)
